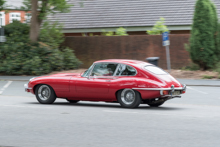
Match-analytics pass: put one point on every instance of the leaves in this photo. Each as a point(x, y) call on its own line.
point(203, 44)
point(158, 28)
point(18, 56)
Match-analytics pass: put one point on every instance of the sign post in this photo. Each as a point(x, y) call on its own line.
point(166, 43)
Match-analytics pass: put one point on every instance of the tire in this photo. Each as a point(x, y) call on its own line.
point(45, 94)
point(156, 104)
point(129, 98)
point(72, 101)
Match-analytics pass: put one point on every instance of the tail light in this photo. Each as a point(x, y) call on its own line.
point(164, 92)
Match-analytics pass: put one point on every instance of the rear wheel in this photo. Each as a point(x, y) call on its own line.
point(45, 94)
point(129, 98)
point(72, 101)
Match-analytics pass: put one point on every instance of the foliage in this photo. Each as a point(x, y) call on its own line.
point(217, 67)
point(18, 56)
point(105, 33)
point(207, 77)
point(158, 28)
point(2, 3)
point(47, 7)
point(51, 34)
point(202, 40)
point(119, 32)
point(191, 67)
point(218, 42)
point(40, 9)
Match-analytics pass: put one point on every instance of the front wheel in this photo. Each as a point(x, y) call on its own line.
point(45, 94)
point(129, 98)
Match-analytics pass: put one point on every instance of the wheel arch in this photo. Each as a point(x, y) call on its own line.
point(116, 93)
point(35, 86)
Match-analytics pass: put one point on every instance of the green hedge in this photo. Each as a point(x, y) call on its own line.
point(20, 57)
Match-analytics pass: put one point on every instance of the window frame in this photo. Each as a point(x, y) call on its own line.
point(3, 18)
point(125, 75)
point(16, 18)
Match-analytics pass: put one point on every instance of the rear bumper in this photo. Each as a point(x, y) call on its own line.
point(26, 88)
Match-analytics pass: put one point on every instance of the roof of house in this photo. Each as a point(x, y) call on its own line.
point(127, 13)
point(14, 4)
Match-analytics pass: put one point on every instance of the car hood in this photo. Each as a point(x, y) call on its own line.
point(65, 74)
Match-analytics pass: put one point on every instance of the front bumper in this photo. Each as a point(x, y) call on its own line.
point(27, 89)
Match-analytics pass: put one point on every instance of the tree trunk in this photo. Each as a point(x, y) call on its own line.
point(35, 22)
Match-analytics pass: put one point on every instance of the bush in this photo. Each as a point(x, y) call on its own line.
point(18, 56)
point(203, 39)
point(51, 34)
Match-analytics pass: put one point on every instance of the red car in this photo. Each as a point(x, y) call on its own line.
point(128, 82)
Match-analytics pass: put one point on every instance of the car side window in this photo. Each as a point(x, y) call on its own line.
point(104, 69)
point(125, 70)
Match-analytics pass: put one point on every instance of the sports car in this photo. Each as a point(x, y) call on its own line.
point(128, 82)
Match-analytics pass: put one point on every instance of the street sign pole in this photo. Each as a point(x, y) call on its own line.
point(168, 58)
point(166, 43)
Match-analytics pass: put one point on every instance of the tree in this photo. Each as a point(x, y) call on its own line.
point(2, 3)
point(158, 28)
point(202, 40)
point(39, 11)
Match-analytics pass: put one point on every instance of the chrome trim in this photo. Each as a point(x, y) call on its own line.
point(116, 69)
point(26, 87)
point(103, 77)
point(93, 65)
point(173, 88)
point(31, 79)
point(179, 88)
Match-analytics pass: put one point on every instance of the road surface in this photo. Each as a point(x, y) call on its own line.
point(192, 121)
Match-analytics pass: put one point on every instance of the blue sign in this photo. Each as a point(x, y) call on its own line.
point(165, 36)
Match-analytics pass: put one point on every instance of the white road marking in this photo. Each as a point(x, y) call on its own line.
point(5, 86)
point(197, 90)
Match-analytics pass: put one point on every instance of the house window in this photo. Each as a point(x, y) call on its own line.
point(14, 16)
point(2, 18)
point(27, 18)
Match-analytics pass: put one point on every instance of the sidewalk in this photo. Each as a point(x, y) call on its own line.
point(188, 82)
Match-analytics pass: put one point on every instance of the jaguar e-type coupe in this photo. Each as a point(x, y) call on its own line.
point(129, 82)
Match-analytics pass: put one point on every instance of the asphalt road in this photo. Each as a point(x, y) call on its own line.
point(192, 121)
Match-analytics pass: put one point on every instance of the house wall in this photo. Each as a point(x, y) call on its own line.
point(139, 47)
point(7, 15)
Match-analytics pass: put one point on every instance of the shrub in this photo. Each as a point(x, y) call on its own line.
point(51, 34)
point(203, 39)
point(18, 56)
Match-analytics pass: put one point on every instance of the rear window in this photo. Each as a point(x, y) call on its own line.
point(155, 70)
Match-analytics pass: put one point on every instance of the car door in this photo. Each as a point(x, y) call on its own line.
point(96, 83)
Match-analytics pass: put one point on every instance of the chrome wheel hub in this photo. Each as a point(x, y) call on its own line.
point(44, 92)
point(128, 96)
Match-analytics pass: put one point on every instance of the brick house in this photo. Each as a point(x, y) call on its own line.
point(14, 13)
point(136, 16)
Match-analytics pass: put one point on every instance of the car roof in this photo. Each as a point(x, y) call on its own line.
point(124, 61)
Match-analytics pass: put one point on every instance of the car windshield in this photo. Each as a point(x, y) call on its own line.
point(155, 70)
point(85, 74)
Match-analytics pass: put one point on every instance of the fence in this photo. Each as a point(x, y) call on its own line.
point(138, 47)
